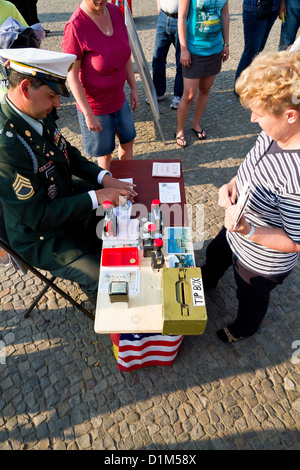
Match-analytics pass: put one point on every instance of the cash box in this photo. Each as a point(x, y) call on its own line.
point(184, 309)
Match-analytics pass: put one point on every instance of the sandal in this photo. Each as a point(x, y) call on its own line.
point(225, 335)
point(200, 134)
point(181, 139)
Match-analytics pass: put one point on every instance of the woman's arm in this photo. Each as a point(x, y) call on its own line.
point(183, 10)
point(132, 83)
point(225, 31)
point(80, 97)
point(270, 237)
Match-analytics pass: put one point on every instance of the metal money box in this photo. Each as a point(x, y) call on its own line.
point(184, 310)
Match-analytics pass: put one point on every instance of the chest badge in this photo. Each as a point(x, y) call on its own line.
point(52, 191)
point(56, 137)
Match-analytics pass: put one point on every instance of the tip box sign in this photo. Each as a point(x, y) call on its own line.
point(197, 292)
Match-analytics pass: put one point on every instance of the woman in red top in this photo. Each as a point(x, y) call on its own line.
point(96, 33)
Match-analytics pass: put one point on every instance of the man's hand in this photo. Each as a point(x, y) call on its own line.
point(116, 196)
point(118, 189)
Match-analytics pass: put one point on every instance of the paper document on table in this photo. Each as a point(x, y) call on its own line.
point(169, 192)
point(167, 170)
point(130, 275)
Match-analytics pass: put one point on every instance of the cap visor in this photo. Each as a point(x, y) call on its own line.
point(58, 87)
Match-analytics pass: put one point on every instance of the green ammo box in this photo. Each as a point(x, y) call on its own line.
point(184, 310)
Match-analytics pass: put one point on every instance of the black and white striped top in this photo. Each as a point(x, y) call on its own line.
point(274, 177)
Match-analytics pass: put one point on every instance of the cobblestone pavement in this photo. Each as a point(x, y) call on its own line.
point(60, 387)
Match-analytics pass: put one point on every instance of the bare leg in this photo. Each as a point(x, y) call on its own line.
point(104, 162)
point(125, 151)
point(201, 100)
point(189, 93)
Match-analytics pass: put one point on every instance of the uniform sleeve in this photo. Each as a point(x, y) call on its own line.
point(26, 199)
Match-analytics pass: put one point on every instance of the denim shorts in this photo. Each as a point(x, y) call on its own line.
point(98, 144)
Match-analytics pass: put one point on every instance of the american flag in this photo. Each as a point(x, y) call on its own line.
point(134, 351)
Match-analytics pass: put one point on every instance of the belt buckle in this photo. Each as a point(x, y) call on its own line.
point(172, 15)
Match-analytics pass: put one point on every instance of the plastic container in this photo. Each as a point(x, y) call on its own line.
point(120, 256)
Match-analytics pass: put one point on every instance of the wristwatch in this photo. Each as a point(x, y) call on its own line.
point(252, 231)
point(225, 45)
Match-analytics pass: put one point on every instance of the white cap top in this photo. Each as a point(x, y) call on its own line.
point(50, 66)
point(30, 60)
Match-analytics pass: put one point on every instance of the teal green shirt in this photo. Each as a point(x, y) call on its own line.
point(204, 27)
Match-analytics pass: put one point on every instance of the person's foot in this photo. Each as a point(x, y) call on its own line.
point(225, 335)
point(180, 140)
point(159, 98)
point(201, 134)
point(175, 102)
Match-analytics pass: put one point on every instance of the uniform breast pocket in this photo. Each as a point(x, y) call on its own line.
point(51, 181)
point(55, 179)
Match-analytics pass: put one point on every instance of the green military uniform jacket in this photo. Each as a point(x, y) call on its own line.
point(45, 216)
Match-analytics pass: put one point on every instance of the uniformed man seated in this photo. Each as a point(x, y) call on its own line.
point(49, 216)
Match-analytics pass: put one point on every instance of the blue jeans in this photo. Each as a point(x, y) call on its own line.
point(166, 34)
point(256, 33)
point(98, 144)
point(292, 22)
